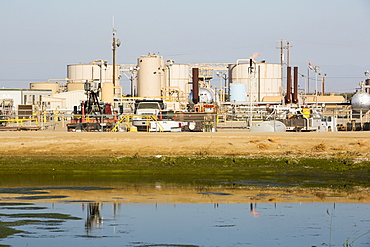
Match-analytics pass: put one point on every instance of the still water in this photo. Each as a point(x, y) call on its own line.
point(185, 224)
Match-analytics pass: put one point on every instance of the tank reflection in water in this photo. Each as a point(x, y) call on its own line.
point(151, 224)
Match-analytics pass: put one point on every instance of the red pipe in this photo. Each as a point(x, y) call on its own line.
point(83, 112)
point(288, 96)
point(195, 72)
point(295, 92)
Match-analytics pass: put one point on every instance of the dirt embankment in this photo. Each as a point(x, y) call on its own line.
point(233, 143)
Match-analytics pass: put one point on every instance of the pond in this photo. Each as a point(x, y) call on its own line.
point(88, 223)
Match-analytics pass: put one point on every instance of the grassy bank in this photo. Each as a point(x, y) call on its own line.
point(337, 172)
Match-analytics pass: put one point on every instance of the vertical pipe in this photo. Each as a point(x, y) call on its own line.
point(323, 86)
point(195, 72)
point(259, 83)
point(288, 96)
point(295, 92)
point(114, 63)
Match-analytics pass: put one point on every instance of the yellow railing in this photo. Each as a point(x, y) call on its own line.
point(148, 118)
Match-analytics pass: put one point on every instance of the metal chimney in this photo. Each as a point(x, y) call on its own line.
point(195, 72)
point(295, 92)
point(288, 96)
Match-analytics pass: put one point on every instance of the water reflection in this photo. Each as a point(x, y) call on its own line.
point(94, 218)
point(254, 211)
point(217, 224)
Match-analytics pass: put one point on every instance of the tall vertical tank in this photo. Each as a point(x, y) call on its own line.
point(179, 78)
point(264, 80)
point(107, 92)
point(150, 76)
point(238, 92)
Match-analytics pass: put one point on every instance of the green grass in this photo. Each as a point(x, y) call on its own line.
point(340, 171)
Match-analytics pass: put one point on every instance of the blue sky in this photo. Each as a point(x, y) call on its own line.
point(39, 38)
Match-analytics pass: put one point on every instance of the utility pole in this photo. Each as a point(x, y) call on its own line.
point(284, 45)
point(116, 43)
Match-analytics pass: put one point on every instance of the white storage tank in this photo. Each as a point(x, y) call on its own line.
point(107, 93)
point(266, 79)
point(179, 78)
point(54, 87)
point(206, 95)
point(92, 72)
point(238, 92)
point(268, 126)
point(150, 76)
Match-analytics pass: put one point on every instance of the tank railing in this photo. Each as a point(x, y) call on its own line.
point(345, 119)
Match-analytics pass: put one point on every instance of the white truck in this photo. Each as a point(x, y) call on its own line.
point(146, 111)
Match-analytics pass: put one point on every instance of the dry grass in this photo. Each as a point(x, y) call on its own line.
point(273, 140)
point(319, 147)
point(262, 146)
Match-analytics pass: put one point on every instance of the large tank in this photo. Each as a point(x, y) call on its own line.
point(75, 86)
point(54, 87)
point(238, 92)
point(206, 95)
point(268, 126)
point(150, 76)
point(92, 72)
point(179, 78)
point(265, 79)
point(361, 101)
point(107, 93)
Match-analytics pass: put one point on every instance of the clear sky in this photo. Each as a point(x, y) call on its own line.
point(39, 38)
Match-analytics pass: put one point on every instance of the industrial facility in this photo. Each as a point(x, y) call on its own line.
point(169, 96)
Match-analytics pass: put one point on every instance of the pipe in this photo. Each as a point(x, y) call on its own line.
point(295, 92)
point(195, 72)
point(288, 96)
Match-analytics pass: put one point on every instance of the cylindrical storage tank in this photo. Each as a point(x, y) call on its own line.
point(54, 87)
point(179, 77)
point(206, 95)
point(238, 92)
point(265, 77)
point(268, 126)
point(107, 92)
point(75, 86)
point(150, 76)
point(92, 72)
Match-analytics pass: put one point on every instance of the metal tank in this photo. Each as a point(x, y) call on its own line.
point(361, 101)
point(107, 93)
point(206, 95)
point(265, 78)
point(238, 92)
point(150, 76)
point(54, 87)
point(91, 72)
point(179, 78)
point(268, 126)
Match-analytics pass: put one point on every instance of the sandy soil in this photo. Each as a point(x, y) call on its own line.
point(225, 143)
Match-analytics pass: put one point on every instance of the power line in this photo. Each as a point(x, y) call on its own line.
point(332, 44)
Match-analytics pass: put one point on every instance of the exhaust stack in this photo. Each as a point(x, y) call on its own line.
point(195, 72)
point(288, 96)
point(295, 90)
